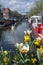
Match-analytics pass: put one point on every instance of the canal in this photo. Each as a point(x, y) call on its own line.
point(9, 37)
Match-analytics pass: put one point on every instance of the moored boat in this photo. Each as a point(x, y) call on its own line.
point(36, 25)
point(6, 22)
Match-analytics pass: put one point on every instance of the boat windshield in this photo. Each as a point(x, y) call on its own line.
point(39, 20)
point(36, 18)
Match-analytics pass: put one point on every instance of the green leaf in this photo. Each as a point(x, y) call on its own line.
point(26, 60)
point(18, 55)
point(21, 55)
point(21, 61)
point(38, 54)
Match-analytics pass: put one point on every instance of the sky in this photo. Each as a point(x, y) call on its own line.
point(20, 5)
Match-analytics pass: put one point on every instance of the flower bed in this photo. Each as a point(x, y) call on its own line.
point(27, 53)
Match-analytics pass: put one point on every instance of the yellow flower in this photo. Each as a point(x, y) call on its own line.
point(27, 38)
point(6, 60)
point(34, 60)
point(37, 42)
point(5, 52)
point(41, 51)
point(40, 46)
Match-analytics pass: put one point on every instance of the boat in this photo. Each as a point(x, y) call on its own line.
point(6, 22)
point(36, 25)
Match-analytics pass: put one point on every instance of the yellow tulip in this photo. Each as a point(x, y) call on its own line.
point(41, 51)
point(34, 60)
point(27, 38)
point(6, 60)
point(37, 42)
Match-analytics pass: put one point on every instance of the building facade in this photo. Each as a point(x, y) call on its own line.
point(7, 13)
point(1, 13)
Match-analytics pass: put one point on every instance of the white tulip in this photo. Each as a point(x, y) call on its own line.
point(24, 47)
point(24, 32)
point(27, 48)
point(28, 31)
point(17, 45)
point(21, 44)
point(38, 38)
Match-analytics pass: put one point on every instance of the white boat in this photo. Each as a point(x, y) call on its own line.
point(36, 25)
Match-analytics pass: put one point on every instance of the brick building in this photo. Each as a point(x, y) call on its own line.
point(7, 13)
point(1, 13)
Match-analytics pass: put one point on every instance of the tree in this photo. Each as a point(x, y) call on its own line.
point(16, 14)
point(38, 9)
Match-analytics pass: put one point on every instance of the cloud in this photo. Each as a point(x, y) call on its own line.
point(19, 5)
point(11, 2)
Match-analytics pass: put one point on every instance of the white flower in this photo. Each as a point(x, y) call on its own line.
point(25, 48)
point(24, 32)
point(21, 44)
point(38, 38)
point(29, 31)
point(28, 48)
point(17, 45)
point(5, 52)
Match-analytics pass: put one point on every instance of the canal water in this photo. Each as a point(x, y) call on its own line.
point(9, 37)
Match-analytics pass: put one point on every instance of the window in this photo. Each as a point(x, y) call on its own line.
point(5, 15)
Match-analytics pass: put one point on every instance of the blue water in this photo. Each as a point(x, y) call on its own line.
point(9, 38)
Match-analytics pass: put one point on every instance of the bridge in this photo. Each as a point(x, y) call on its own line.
point(24, 13)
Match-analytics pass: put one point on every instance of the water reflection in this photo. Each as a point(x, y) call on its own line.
point(0, 34)
point(14, 35)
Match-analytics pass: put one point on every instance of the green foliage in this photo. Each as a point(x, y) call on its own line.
point(5, 58)
point(38, 55)
point(16, 14)
point(27, 53)
point(37, 9)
